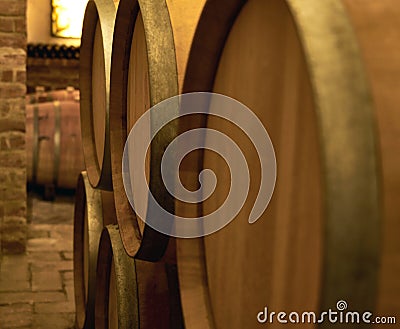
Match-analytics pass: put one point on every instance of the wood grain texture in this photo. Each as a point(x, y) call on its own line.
point(184, 17)
point(70, 162)
point(133, 293)
point(94, 81)
point(297, 66)
point(377, 26)
point(142, 242)
point(88, 225)
point(99, 93)
point(138, 98)
point(116, 304)
point(272, 251)
point(94, 209)
point(152, 42)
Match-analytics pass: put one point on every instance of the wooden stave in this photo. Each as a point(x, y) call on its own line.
point(100, 12)
point(165, 80)
point(286, 277)
point(63, 133)
point(193, 274)
point(112, 256)
point(93, 210)
point(144, 294)
point(87, 220)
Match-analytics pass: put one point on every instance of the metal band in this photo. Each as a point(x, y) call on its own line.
point(112, 255)
point(35, 157)
point(57, 138)
point(32, 99)
point(163, 83)
point(350, 160)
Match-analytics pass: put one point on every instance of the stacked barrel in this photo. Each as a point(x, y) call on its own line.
point(53, 139)
point(324, 78)
point(126, 275)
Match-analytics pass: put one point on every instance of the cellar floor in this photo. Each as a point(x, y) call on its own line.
point(37, 288)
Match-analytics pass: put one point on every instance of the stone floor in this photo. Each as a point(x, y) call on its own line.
point(37, 288)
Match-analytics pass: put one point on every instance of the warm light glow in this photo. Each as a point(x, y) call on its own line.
point(67, 18)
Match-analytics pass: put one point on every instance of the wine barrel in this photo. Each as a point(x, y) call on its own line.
point(93, 210)
point(382, 64)
point(88, 225)
point(323, 77)
point(94, 81)
point(41, 96)
point(133, 293)
point(53, 143)
point(150, 49)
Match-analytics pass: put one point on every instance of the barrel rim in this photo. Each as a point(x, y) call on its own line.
point(357, 105)
point(163, 78)
point(111, 251)
point(102, 11)
point(87, 200)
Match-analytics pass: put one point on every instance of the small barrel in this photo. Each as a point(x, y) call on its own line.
point(323, 78)
point(150, 49)
point(94, 77)
point(133, 293)
point(93, 210)
point(42, 96)
point(53, 143)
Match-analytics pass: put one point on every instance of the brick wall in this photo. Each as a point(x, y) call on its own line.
point(52, 73)
point(12, 125)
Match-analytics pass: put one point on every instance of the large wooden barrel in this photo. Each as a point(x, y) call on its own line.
point(93, 210)
point(133, 293)
point(53, 143)
point(151, 45)
point(323, 77)
point(94, 77)
point(42, 96)
point(379, 44)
